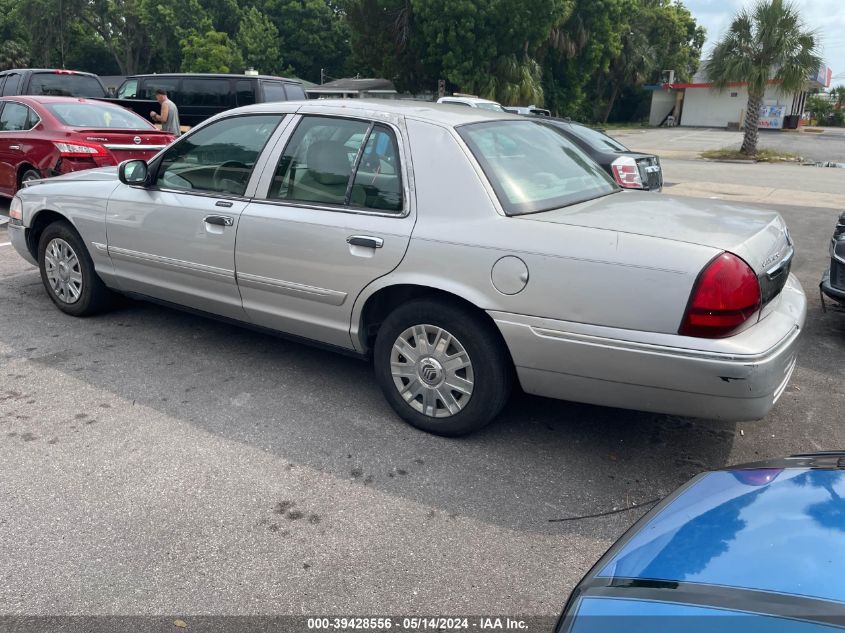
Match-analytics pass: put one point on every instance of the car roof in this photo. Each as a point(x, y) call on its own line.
point(421, 110)
point(59, 71)
point(772, 527)
point(213, 75)
point(47, 99)
point(469, 99)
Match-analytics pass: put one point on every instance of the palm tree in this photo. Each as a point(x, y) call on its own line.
point(770, 41)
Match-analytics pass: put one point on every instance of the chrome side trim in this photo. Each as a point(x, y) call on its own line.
point(313, 293)
point(100, 247)
point(662, 350)
point(167, 263)
point(143, 148)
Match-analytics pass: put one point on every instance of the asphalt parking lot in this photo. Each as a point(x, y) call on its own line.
point(827, 145)
point(155, 462)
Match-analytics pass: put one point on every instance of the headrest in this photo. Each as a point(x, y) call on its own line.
point(328, 163)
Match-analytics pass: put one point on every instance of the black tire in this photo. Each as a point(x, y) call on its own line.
point(93, 296)
point(492, 370)
point(29, 174)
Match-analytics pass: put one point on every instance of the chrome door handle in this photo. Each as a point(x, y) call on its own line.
point(365, 240)
point(219, 220)
point(14, 146)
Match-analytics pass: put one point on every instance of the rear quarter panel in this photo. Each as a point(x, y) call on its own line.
point(576, 274)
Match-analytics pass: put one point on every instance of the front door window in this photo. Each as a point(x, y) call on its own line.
point(218, 158)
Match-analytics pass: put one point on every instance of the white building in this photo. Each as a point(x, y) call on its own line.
point(699, 104)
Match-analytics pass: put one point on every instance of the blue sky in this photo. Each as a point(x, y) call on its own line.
point(825, 16)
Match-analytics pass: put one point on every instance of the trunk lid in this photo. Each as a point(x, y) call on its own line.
point(127, 144)
point(759, 237)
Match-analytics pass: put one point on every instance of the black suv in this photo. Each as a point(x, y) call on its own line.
point(42, 81)
point(200, 96)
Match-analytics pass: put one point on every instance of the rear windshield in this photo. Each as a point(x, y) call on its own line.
point(597, 140)
point(65, 85)
point(533, 168)
point(96, 115)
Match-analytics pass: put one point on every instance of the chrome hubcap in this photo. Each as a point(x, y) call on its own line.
point(63, 271)
point(432, 371)
point(29, 177)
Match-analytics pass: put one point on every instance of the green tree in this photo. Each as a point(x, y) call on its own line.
point(770, 41)
point(167, 23)
point(313, 36)
point(487, 46)
point(820, 107)
point(258, 39)
point(13, 54)
point(386, 43)
point(660, 34)
point(211, 52)
point(120, 26)
point(578, 54)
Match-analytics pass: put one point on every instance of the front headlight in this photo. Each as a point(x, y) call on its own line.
point(16, 210)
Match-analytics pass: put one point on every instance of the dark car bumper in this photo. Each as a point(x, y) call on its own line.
point(837, 294)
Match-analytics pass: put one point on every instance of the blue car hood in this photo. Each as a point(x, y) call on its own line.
point(767, 529)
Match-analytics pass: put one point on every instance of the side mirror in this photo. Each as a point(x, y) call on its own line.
point(133, 172)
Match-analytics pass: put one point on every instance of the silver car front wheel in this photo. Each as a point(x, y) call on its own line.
point(63, 271)
point(68, 273)
point(432, 371)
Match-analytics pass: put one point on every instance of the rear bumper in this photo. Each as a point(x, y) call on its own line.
point(728, 380)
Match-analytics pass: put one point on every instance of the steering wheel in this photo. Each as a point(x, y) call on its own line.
point(232, 171)
point(544, 179)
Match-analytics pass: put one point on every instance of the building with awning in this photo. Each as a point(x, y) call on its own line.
point(353, 89)
point(699, 104)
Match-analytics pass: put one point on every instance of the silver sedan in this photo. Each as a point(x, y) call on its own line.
point(459, 249)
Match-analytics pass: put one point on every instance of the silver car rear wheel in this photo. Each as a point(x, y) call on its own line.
point(63, 271)
point(432, 371)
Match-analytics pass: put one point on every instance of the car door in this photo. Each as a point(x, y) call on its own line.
point(15, 120)
point(332, 213)
point(175, 239)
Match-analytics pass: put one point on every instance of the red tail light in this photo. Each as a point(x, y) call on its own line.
point(726, 294)
point(627, 173)
point(78, 149)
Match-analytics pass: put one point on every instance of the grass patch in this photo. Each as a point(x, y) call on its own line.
point(762, 155)
point(622, 126)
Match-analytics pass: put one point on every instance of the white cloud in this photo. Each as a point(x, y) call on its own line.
point(827, 17)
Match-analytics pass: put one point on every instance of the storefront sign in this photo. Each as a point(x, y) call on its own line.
point(771, 117)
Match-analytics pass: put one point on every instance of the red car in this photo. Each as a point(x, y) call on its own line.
point(47, 136)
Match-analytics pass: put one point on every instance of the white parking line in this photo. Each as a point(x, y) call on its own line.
point(5, 243)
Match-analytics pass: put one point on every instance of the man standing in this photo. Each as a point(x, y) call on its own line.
point(169, 117)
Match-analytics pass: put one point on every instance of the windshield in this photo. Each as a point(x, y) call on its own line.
point(490, 106)
point(533, 168)
point(95, 115)
point(65, 85)
point(595, 139)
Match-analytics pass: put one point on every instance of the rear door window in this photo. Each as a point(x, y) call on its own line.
point(205, 92)
point(65, 84)
point(11, 85)
point(244, 92)
point(14, 117)
point(169, 84)
point(344, 162)
point(273, 91)
point(294, 92)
